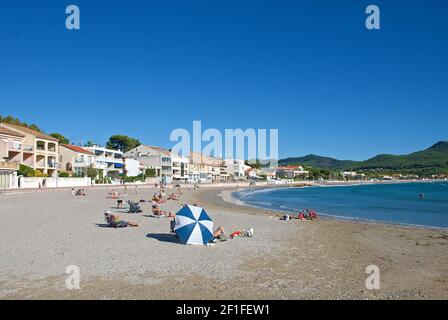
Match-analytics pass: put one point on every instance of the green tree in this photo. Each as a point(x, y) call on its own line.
point(92, 172)
point(254, 164)
point(62, 139)
point(89, 144)
point(16, 121)
point(34, 127)
point(150, 172)
point(123, 143)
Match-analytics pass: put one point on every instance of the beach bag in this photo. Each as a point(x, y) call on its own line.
point(248, 232)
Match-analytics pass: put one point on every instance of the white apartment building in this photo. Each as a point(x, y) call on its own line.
point(109, 161)
point(236, 168)
point(180, 168)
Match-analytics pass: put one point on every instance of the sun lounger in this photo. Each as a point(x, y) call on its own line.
point(134, 207)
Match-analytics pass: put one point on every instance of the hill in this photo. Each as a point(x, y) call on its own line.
point(435, 156)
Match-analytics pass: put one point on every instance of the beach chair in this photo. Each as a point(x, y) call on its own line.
point(134, 207)
point(111, 223)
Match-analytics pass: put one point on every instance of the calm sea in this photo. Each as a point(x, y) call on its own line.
point(394, 203)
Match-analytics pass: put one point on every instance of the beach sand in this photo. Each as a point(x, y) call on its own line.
point(44, 232)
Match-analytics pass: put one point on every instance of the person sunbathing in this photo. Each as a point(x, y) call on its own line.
point(161, 213)
point(112, 195)
point(157, 211)
point(158, 199)
point(174, 197)
point(218, 235)
point(115, 221)
point(219, 232)
point(81, 192)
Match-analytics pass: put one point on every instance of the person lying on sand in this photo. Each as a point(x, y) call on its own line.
point(218, 232)
point(218, 235)
point(158, 199)
point(80, 192)
point(161, 213)
point(310, 214)
point(115, 221)
point(174, 197)
point(112, 195)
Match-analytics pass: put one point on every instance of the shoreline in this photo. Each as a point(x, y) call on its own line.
point(234, 199)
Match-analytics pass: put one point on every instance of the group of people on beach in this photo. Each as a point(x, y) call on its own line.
point(79, 192)
point(308, 214)
point(115, 221)
point(161, 197)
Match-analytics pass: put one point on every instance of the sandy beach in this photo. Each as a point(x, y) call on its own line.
point(43, 232)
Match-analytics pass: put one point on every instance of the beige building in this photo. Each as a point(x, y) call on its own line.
point(156, 158)
point(11, 155)
point(207, 169)
point(75, 160)
point(38, 150)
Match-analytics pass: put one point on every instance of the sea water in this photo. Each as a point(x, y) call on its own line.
point(399, 203)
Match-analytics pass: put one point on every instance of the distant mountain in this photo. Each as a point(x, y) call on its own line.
point(435, 156)
point(317, 162)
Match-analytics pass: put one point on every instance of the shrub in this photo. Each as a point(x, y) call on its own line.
point(39, 174)
point(26, 171)
point(63, 175)
point(150, 172)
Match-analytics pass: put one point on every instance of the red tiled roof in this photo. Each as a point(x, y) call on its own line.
point(289, 167)
point(4, 130)
point(35, 133)
point(77, 149)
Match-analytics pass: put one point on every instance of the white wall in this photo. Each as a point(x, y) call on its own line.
point(55, 182)
point(132, 167)
point(8, 181)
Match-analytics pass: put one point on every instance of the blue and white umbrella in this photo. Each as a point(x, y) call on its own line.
point(193, 225)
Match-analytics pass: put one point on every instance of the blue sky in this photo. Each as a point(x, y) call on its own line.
point(308, 68)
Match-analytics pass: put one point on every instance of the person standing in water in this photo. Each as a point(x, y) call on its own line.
point(422, 195)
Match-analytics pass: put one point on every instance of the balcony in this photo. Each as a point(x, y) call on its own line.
point(108, 160)
point(28, 148)
point(9, 166)
point(168, 172)
point(51, 147)
point(12, 146)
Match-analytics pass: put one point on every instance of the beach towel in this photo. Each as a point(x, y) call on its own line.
point(235, 234)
